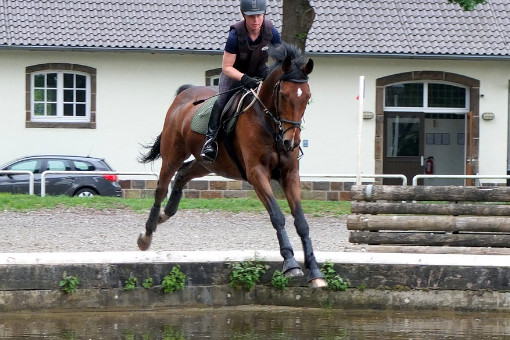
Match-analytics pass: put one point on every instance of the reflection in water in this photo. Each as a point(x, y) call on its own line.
point(255, 323)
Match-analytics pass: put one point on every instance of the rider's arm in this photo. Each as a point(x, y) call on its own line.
point(227, 66)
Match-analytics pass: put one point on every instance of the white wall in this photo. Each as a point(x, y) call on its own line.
point(134, 90)
point(331, 119)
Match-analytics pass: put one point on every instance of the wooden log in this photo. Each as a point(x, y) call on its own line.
point(429, 193)
point(395, 248)
point(430, 208)
point(431, 239)
point(429, 223)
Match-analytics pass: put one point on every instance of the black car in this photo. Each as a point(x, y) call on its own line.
point(61, 184)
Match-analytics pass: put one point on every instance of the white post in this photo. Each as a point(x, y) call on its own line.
point(361, 95)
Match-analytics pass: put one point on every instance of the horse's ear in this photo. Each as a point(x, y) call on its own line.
point(308, 68)
point(286, 65)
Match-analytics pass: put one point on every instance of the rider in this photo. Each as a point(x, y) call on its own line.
point(244, 61)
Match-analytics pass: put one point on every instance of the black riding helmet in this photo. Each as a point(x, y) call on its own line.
point(253, 7)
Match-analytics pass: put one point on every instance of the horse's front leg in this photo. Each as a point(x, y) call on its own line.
point(290, 266)
point(292, 188)
point(315, 276)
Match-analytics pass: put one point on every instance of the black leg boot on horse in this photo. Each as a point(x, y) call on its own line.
point(210, 149)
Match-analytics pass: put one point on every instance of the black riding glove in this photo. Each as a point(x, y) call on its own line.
point(249, 82)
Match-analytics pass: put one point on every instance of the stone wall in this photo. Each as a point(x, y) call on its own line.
point(218, 188)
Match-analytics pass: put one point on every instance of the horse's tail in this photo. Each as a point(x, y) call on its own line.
point(154, 152)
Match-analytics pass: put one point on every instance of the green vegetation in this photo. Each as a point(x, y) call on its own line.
point(130, 283)
point(174, 281)
point(69, 284)
point(245, 275)
point(280, 281)
point(335, 282)
point(148, 283)
point(21, 202)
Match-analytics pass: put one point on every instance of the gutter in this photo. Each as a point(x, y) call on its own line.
point(219, 52)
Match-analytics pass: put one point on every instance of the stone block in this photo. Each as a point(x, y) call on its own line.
point(138, 184)
point(132, 193)
point(333, 196)
point(199, 185)
point(147, 193)
point(211, 194)
point(125, 184)
point(321, 186)
point(314, 195)
point(235, 194)
point(218, 185)
point(151, 184)
point(337, 186)
point(234, 185)
point(191, 194)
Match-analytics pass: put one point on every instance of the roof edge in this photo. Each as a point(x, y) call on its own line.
point(218, 52)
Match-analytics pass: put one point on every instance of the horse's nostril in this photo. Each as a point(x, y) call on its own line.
point(287, 144)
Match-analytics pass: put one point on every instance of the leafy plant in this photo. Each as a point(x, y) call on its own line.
point(335, 282)
point(131, 283)
point(175, 280)
point(69, 284)
point(245, 275)
point(148, 283)
point(280, 281)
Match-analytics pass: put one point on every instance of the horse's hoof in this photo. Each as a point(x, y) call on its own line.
point(317, 283)
point(294, 272)
point(144, 242)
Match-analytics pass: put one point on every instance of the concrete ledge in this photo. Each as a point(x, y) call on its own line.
point(29, 281)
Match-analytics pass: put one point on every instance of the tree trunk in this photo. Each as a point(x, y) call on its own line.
point(297, 20)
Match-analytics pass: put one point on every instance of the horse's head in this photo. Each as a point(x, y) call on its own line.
point(287, 86)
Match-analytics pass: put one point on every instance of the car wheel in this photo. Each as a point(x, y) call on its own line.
point(85, 192)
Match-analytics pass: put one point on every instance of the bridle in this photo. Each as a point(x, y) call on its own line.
point(277, 131)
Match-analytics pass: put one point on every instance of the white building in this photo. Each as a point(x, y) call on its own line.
point(96, 78)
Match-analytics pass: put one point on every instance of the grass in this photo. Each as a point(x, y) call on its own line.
point(19, 202)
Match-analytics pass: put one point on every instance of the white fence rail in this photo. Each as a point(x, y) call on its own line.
point(417, 177)
point(88, 173)
point(355, 176)
point(22, 172)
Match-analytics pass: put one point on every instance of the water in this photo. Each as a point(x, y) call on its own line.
point(256, 323)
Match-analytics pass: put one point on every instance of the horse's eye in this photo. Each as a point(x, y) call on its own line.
point(283, 96)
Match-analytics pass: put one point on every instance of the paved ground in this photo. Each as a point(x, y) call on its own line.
point(82, 230)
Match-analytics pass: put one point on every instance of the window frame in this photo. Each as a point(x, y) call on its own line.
point(424, 106)
point(61, 121)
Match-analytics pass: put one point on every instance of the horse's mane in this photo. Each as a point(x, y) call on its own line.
point(280, 52)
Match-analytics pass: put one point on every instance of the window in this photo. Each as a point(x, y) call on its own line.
point(425, 95)
point(30, 165)
point(61, 95)
point(58, 165)
point(212, 77)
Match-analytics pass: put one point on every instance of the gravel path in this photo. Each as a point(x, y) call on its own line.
point(83, 229)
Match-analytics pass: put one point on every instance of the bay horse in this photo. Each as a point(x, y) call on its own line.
point(265, 147)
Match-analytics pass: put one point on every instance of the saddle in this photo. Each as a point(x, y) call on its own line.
point(229, 115)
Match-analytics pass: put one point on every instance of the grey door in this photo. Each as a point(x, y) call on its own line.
point(403, 145)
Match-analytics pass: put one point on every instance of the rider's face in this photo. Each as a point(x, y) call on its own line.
point(254, 22)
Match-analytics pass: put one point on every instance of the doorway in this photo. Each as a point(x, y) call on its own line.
point(422, 126)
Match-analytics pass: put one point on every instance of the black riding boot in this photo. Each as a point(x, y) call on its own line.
point(210, 148)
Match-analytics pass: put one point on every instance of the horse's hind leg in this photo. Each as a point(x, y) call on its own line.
point(165, 176)
point(185, 174)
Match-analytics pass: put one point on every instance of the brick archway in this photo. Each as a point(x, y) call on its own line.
point(474, 95)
